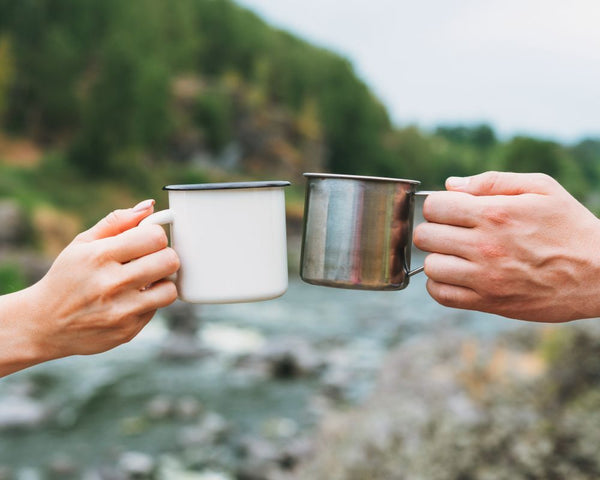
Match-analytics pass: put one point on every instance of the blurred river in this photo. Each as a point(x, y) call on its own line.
point(97, 404)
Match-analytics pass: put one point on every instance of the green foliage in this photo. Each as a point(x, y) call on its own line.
point(12, 278)
point(480, 136)
point(214, 113)
point(95, 79)
point(6, 71)
point(524, 154)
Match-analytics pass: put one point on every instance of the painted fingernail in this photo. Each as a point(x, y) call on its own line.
point(145, 205)
point(457, 182)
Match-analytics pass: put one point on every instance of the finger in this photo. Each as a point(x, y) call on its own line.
point(117, 222)
point(452, 208)
point(450, 270)
point(159, 295)
point(504, 183)
point(446, 239)
point(135, 243)
point(453, 296)
point(151, 268)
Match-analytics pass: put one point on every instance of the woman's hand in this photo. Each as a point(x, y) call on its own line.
point(99, 293)
point(517, 245)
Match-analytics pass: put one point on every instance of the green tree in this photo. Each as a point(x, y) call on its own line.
point(525, 154)
point(6, 72)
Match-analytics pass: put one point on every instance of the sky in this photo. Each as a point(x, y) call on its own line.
point(523, 66)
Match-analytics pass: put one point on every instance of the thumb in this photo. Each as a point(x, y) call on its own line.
point(117, 222)
point(503, 183)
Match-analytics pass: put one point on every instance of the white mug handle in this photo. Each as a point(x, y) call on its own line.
point(161, 218)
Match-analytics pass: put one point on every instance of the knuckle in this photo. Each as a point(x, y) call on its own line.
point(429, 207)
point(172, 260)
point(419, 236)
point(157, 236)
point(444, 294)
point(497, 215)
point(117, 315)
point(489, 180)
point(494, 286)
point(114, 218)
point(171, 293)
point(428, 264)
point(544, 179)
point(492, 251)
point(100, 255)
point(109, 284)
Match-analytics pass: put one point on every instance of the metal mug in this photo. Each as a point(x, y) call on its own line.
point(358, 231)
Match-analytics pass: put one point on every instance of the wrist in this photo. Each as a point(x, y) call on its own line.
point(19, 332)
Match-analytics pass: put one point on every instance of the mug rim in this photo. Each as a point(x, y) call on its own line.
point(226, 185)
point(360, 177)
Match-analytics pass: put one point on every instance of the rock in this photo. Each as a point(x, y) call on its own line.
point(18, 412)
point(187, 408)
point(159, 407)
point(183, 346)
point(62, 466)
point(210, 430)
point(182, 317)
point(137, 465)
point(280, 428)
point(336, 381)
point(171, 468)
point(292, 357)
point(33, 265)
point(259, 459)
point(5, 473)
point(298, 450)
point(14, 223)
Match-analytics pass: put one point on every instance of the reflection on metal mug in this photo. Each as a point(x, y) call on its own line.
point(358, 231)
point(230, 238)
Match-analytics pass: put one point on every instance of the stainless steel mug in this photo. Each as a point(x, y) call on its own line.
point(358, 231)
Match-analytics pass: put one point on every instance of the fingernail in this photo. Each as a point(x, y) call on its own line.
point(457, 182)
point(145, 205)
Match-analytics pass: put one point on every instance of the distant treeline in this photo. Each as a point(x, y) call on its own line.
point(95, 78)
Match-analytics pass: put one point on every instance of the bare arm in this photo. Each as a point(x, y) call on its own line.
point(94, 297)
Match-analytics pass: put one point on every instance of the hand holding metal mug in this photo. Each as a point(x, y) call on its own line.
point(358, 231)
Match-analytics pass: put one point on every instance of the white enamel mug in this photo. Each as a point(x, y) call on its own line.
point(230, 239)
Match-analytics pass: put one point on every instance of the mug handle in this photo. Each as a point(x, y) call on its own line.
point(163, 217)
point(159, 218)
point(410, 273)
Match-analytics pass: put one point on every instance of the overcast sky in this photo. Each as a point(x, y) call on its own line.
point(524, 66)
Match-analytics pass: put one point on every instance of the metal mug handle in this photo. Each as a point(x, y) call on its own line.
point(410, 273)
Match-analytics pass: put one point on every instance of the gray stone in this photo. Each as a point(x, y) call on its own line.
point(211, 429)
point(291, 357)
point(137, 465)
point(19, 412)
point(159, 407)
point(14, 223)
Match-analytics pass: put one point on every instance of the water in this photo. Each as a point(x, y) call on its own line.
point(98, 403)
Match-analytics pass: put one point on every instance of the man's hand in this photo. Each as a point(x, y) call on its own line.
point(517, 245)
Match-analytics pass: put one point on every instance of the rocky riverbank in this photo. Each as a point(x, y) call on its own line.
point(523, 406)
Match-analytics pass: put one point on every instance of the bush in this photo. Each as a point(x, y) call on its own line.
point(11, 278)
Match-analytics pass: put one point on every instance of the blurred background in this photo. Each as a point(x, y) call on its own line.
point(104, 102)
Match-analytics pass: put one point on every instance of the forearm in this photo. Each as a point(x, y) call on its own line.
point(19, 315)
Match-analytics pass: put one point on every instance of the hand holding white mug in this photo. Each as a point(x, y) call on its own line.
point(517, 245)
point(94, 297)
